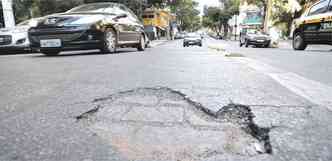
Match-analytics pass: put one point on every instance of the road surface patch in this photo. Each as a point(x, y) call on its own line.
point(164, 124)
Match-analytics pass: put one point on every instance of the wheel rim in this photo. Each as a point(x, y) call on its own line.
point(110, 41)
point(297, 41)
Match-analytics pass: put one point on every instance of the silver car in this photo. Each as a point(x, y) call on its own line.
point(16, 38)
point(192, 39)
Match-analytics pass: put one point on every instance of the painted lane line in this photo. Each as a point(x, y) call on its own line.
point(313, 91)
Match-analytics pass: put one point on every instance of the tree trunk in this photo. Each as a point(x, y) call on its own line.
point(225, 25)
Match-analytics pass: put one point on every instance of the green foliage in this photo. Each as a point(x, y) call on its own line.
point(216, 18)
point(187, 14)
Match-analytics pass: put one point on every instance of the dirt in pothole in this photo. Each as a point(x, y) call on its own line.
point(164, 124)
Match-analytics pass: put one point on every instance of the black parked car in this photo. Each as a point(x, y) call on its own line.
point(104, 26)
point(249, 36)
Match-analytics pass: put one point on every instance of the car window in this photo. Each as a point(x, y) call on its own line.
point(318, 8)
point(24, 23)
point(100, 7)
point(114, 10)
point(130, 13)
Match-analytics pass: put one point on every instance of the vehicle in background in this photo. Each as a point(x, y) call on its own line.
point(251, 36)
point(192, 39)
point(158, 23)
point(105, 26)
point(15, 39)
point(219, 37)
point(314, 26)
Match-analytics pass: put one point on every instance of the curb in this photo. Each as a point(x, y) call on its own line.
point(157, 43)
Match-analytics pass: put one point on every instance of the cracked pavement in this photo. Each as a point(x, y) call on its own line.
point(93, 107)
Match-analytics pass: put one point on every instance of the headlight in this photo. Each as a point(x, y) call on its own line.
point(19, 30)
point(33, 23)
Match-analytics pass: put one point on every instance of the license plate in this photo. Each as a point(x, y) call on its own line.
point(260, 40)
point(50, 43)
point(2, 39)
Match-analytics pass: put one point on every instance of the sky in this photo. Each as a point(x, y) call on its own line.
point(207, 2)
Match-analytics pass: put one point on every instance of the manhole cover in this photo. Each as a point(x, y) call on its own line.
point(163, 124)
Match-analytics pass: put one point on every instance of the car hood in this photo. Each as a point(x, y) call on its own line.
point(258, 35)
point(192, 38)
point(70, 20)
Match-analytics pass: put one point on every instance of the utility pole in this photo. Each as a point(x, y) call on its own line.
point(8, 14)
point(267, 15)
point(235, 25)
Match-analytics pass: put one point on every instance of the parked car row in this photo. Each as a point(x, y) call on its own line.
point(104, 26)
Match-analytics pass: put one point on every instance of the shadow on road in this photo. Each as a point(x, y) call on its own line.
point(81, 53)
point(14, 52)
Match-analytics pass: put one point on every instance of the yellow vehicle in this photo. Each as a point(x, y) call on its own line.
point(314, 26)
point(157, 22)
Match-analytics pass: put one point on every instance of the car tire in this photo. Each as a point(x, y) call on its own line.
point(298, 42)
point(141, 44)
point(50, 52)
point(109, 44)
point(200, 45)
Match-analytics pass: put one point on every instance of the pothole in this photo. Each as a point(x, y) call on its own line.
point(164, 124)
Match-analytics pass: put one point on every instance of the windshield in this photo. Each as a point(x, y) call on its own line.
point(254, 31)
point(192, 35)
point(24, 23)
point(93, 8)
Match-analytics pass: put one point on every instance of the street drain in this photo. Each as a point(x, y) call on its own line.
point(164, 124)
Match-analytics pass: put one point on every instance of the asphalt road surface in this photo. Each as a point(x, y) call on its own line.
point(168, 103)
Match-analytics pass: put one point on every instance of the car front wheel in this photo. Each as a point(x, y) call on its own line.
point(298, 42)
point(141, 45)
point(109, 45)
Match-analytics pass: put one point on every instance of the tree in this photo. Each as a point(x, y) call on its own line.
point(186, 13)
point(217, 18)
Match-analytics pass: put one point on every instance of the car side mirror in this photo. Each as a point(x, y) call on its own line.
point(123, 15)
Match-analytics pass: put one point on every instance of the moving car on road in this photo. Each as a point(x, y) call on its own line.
point(192, 39)
point(16, 38)
point(314, 27)
point(250, 36)
point(104, 26)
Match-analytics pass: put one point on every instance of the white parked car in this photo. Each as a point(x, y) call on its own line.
point(16, 38)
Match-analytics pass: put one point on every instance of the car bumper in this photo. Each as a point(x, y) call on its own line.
point(18, 41)
point(70, 40)
point(74, 45)
point(257, 42)
point(192, 42)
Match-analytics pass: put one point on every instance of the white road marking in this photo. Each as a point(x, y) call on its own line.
point(314, 91)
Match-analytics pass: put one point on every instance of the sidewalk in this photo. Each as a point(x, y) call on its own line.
point(155, 43)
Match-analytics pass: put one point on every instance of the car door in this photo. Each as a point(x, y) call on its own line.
point(135, 26)
point(328, 24)
point(313, 28)
point(122, 24)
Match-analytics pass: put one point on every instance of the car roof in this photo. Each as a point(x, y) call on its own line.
point(106, 4)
